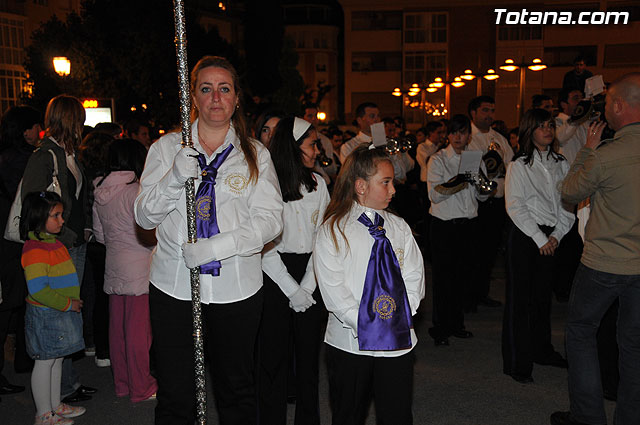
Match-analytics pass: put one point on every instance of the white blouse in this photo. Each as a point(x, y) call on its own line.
point(249, 215)
point(341, 274)
point(444, 165)
point(302, 219)
point(532, 197)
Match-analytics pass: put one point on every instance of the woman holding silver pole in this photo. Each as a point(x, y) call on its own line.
point(238, 210)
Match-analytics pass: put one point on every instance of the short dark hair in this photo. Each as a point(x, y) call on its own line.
point(360, 110)
point(15, 122)
point(133, 126)
point(431, 127)
point(458, 123)
point(563, 96)
point(537, 99)
point(477, 101)
point(309, 105)
point(388, 120)
point(127, 155)
point(35, 212)
point(287, 160)
point(579, 58)
point(111, 128)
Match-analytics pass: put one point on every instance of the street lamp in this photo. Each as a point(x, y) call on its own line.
point(510, 66)
point(62, 66)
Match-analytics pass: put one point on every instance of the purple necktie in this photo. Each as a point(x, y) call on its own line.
point(206, 221)
point(384, 318)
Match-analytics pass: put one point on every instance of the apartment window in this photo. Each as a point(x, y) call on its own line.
point(632, 9)
point(376, 21)
point(424, 67)
point(425, 28)
point(11, 83)
point(519, 32)
point(11, 42)
point(376, 61)
point(564, 55)
point(621, 55)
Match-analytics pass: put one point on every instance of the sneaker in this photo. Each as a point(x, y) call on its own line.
point(50, 418)
point(67, 411)
point(90, 351)
point(103, 362)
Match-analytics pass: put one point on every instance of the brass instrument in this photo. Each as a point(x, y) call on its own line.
point(323, 159)
point(483, 185)
point(399, 145)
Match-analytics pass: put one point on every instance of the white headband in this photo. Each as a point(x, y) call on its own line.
point(300, 126)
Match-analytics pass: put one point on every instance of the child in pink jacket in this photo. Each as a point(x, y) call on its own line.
point(126, 276)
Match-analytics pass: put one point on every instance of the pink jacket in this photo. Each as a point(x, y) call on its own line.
point(128, 262)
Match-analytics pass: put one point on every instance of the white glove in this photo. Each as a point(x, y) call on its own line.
point(199, 253)
point(301, 300)
point(185, 165)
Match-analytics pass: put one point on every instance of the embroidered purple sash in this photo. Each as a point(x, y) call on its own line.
point(206, 220)
point(384, 318)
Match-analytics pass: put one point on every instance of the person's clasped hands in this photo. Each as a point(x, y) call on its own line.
point(301, 300)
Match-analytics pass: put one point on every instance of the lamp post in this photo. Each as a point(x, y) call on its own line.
point(468, 75)
point(510, 66)
point(62, 66)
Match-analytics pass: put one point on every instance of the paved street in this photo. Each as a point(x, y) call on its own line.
point(461, 384)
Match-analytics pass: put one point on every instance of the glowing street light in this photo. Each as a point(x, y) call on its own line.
point(510, 65)
point(491, 75)
point(62, 66)
point(467, 75)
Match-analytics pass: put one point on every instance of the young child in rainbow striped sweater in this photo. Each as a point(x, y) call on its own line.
point(53, 323)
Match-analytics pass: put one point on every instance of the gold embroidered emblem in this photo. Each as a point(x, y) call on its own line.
point(384, 306)
point(203, 208)
point(314, 217)
point(400, 256)
point(236, 182)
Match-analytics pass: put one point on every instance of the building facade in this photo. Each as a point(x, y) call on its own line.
point(390, 45)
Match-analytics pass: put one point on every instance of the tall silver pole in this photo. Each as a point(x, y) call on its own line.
point(185, 111)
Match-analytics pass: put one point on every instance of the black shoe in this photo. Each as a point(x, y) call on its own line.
point(489, 302)
point(522, 378)
point(86, 390)
point(11, 389)
point(564, 418)
point(555, 360)
point(76, 397)
point(463, 334)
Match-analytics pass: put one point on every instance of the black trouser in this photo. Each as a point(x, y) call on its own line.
point(95, 312)
point(452, 245)
point(278, 321)
point(567, 260)
point(354, 378)
point(491, 219)
point(526, 327)
point(230, 335)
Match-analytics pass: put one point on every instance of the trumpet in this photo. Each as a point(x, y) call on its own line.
point(483, 185)
point(394, 146)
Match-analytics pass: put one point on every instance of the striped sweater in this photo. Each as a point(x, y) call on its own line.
point(51, 276)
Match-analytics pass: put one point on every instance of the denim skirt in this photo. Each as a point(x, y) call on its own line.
point(51, 333)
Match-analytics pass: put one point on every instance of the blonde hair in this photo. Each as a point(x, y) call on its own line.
point(64, 121)
point(238, 120)
point(362, 163)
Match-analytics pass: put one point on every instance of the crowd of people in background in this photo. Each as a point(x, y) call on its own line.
point(293, 218)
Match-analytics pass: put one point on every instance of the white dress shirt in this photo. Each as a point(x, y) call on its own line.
point(341, 274)
point(249, 215)
point(571, 137)
point(302, 219)
point(532, 197)
point(423, 152)
point(444, 165)
point(402, 164)
point(348, 146)
point(481, 141)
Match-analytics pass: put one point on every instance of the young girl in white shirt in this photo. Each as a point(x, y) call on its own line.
point(292, 304)
point(371, 277)
point(539, 223)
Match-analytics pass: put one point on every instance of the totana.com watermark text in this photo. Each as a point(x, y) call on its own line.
point(525, 17)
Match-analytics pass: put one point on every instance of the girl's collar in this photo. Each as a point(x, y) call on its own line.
point(42, 237)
